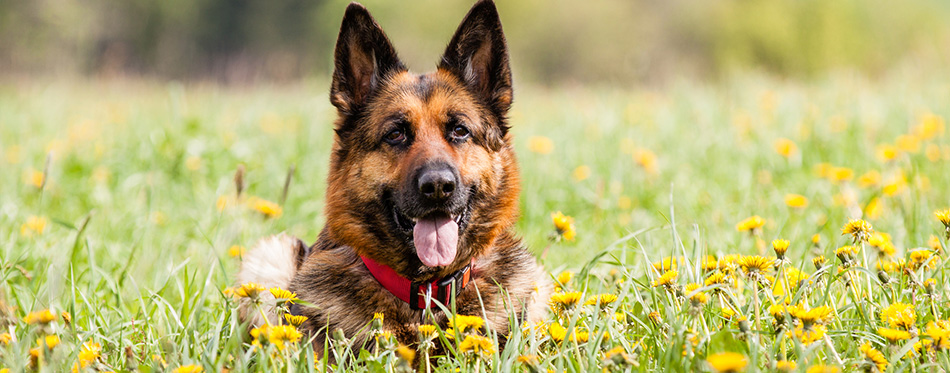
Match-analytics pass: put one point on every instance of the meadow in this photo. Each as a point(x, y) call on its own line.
point(751, 224)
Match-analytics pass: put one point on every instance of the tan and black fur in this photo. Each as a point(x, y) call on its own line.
point(392, 126)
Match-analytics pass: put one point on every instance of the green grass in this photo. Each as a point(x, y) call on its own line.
point(137, 252)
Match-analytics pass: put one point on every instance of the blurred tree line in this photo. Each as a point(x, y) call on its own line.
point(552, 41)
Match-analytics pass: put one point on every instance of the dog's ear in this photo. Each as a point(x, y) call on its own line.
point(478, 55)
point(364, 56)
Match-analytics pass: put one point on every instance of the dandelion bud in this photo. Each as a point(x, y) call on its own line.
point(780, 246)
point(819, 261)
point(883, 277)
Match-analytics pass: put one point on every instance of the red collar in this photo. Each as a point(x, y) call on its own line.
point(414, 293)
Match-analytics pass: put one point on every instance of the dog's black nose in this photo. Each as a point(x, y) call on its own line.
point(437, 182)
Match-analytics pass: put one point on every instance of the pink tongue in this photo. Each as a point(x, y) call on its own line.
point(436, 240)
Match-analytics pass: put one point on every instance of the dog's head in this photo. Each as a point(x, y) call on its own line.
point(422, 176)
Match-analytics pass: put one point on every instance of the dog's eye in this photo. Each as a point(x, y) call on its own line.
point(460, 132)
point(395, 137)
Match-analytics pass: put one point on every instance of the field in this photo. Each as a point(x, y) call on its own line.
point(118, 214)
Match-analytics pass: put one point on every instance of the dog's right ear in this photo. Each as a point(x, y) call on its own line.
point(363, 57)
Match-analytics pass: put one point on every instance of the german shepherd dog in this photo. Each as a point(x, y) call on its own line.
point(422, 194)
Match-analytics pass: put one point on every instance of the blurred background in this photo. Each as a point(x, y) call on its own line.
point(553, 42)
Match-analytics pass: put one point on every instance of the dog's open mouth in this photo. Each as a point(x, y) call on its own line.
point(435, 235)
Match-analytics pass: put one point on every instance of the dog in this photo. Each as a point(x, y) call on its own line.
point(422, 195)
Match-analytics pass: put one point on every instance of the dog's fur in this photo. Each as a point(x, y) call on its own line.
point(392, 126)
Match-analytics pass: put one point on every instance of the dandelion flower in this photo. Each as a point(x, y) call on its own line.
point(717, 278)
point(295, 320)
point(887, 152)
point(192, 368)
point(727, 362)
point(859, 230)
point(249, 290)
point(426, 330)
point(808, 335)
point(6, 338)
point(582, 172)
point(697, 297)
point(540, 144)
point(755, 263)
point(564, 225)
point(869, 179)
point(921, 257)
point(267, 208)
point(283, 296)
point(874, 356)
point(821, 368)
point(940, 333)
point(666, 279)
point(893, 335)
point(565, 300)
point(785, 365)
point(899, 315)
point(785, 147)
point(819, 261)
point(40, 317)
point(601, 300)
point(665, 264)
point(464, 322)
point(646, 159)
point(236, 251)
point(750, 224)
point(817, 315)
point(796, 201)
point(35, 225)
point(280, 335)
point(564, 277)
point(88, 353)
point(943, 217)
point(406, 353)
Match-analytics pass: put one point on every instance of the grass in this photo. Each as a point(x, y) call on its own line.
point(121, 229)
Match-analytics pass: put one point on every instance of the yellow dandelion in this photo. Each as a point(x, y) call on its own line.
point(817, 315)
point(564, 225)
point(899, 315)
point(426, 330)
point(821, 368)
point(35, 225)
point(88, 353)
point(819, 261)
point(236, 251)
point(727, 362)
point(35, 178)
point(893, 335)
point(581, 173)
point(655, 317)
point(528, 359)
point(601, 300)
point(908, 143)
point(406, 353)
point(646, 159)
point(565, 277)
point(566, 300)
point(295, 320)
point(943, 217)
point(283, 296)
point(750, 224)
point(280, 335)
point(797, 201)
point(463, 323)
point(755, 263)
point(6, 338)
point(841, 174)
point(940, 333)
point(847, 254)
point(810, 334)
point(540, 144)
point(922, 257)
point(785, 365)
point(665, 264)
point(874, 356)
point(249, 290)
point(666, 279)
point(859, 230)
point(697, 297)
point(780, 246)
point(727, 313)
point(717, 278)
point(40, 317)
point(934, 244)
point(785, 147)
point(887, 152)
point(477, 344)
point(874, 209)
point(267, 208)
point(191, 368)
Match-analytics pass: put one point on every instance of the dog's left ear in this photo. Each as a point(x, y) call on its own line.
point(478, 55)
